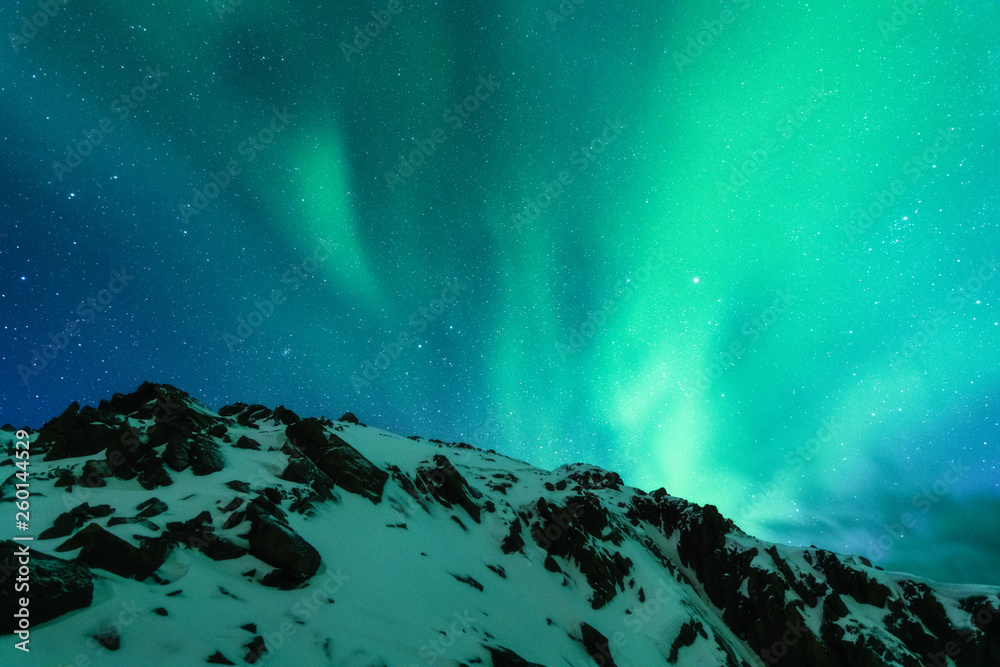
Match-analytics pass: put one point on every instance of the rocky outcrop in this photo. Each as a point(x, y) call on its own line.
point(559, 531)
point(572, 533)
point(275, 543)
point(74, 433)
point(67, 522)
point(343, 464)
point(444, 483)
point(101, 549)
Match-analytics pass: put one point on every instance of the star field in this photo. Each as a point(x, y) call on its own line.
point(743, 251)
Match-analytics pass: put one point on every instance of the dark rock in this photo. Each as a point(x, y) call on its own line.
point(255, 650)
point(233, 520)
point(106, 551)
point(218, 659)
point(596, 646)
point(689, 632)
point(151, 507)
point(152, 474)
point(230, 410)
point(594, 478)
point(304, 471)
point(246, 443)
point(201, 453)
point(470, 581)
point(166, 397)
point(513, 542)
point(239, 486)
point(94, 472)
point(252, 414)
point(65, 479)
point(160, 611)
point(109, 639)
point(309, 436)
point(124, 454)
point(283, 579)
point(283, 415)
point(223, 549)
point(567, 532)
point(342, 463)
point(503, 657)
point(69, 521)
point(233, 504)
point(444, 483)
point(349, 418)
point(851, 582)
point(278, 545)
point(57, 587)
point(75, 433)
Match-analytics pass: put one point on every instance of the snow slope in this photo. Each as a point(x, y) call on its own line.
point(430, 554)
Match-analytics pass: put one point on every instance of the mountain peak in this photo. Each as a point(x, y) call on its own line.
point(339, 543)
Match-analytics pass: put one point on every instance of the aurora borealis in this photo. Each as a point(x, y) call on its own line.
point(744, 251)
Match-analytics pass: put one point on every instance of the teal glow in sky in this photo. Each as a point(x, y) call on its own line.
point(744, 251)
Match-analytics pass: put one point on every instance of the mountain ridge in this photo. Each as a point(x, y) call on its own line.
point(307, 521)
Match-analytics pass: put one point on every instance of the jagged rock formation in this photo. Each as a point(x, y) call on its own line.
point(249, 534)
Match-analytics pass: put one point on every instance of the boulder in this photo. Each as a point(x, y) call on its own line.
point(276, 544)
point(67, 522)
point(246, 443)
point(57, 587)
point(444, 483)
point(106, 551)
point(596, 645)
point(344, 465)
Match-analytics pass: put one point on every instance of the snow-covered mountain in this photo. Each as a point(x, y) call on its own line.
point(166, 533)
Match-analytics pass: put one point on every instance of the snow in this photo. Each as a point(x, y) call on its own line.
point(389, 595)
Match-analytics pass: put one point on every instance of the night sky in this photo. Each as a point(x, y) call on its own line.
point(744, 251)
